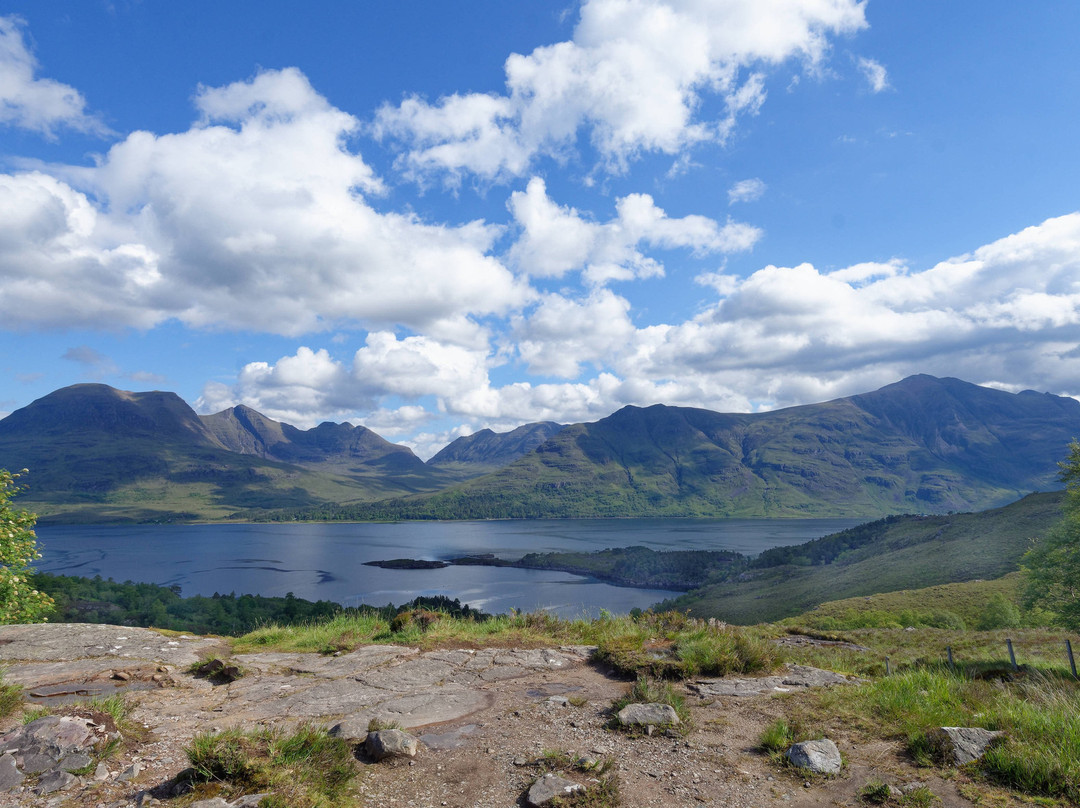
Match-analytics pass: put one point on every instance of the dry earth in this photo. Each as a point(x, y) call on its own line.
point(484, 715)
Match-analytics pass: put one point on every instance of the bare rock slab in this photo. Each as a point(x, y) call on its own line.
point(652, 714)
point(793, 678)
point(548, 787)
point(962, 745)
point(387, 743)
point(820, 757)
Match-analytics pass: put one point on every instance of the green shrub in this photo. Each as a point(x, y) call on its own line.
point(1000, 612)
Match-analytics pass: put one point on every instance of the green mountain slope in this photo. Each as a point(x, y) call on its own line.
point(100, 454)
point(486, 451)
point(355, 452)
point(906, 552)
point(920, 445)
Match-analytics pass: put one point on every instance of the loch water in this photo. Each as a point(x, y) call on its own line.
point(319, 561)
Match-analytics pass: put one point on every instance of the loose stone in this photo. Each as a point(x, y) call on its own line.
point(820, 757)
point(548, 787)
point(648, 715)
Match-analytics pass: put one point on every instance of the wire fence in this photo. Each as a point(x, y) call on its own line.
point(1012, 658)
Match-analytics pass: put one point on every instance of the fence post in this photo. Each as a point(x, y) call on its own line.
point(888, 667)
point(1012, 655)
point(1072, 662)
point(948, 649)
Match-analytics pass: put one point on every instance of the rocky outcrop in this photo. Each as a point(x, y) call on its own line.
point(795, 677)
point(52, 747)
point(488, 724)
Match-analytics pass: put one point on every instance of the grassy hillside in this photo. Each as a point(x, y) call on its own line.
point(906, 553)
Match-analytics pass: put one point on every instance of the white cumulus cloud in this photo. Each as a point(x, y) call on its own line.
point(633, 76)
point(254, 218)
point(781, 336)
point(557, 239)
point(37, 104)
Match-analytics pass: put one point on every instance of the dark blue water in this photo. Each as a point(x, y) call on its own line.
point(325, 561)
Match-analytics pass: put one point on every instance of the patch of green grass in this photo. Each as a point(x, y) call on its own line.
point(115, 706)
point(306, 768)
point(977, 653)
point(1040, 716)
point(777, 737)
point(602, 794)
point(668, 645)
point(971, 603)
point(34, 713)
point(379, 724)
point(920, 797)
point(672, 646)
point(875, 792)
point(11, 697)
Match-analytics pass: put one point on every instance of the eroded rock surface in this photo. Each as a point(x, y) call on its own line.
point(794, 677)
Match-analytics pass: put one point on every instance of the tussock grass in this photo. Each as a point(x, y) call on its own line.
point(652, 691)
point(672, 646)
point(667, 645)
point(777, 737)
point(306, 768)
point(875, 792)
point(602, 794)
point(115, 706)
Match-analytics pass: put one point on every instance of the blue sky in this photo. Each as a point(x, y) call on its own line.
point(433, 217)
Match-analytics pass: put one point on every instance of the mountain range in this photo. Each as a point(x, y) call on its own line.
point(923, 444)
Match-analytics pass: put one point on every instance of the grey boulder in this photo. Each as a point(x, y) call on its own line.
point(390, 743)
point(820, 757)
point(962, 745)
point(648, 715)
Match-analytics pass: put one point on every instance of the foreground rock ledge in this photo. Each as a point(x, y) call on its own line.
point(484, 719)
